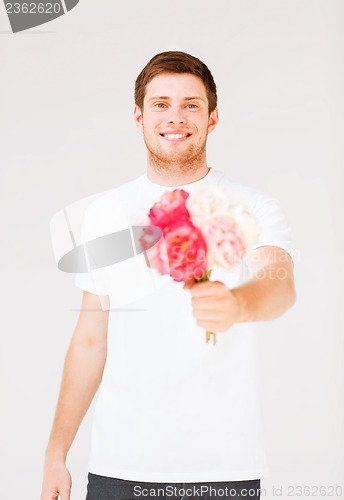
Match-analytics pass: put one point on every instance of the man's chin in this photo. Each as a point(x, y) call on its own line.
point(174, 158)
point(172, 161)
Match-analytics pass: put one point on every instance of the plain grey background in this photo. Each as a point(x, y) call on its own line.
point(67, 132)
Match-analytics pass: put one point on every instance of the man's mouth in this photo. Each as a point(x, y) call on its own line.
point(175, 137)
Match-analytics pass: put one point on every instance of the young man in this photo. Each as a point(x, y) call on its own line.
point(175, 416)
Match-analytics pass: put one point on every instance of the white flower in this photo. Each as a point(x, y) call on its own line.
point(205, 203)
point(210, 206)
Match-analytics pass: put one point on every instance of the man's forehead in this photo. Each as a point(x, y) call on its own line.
point(167, 85)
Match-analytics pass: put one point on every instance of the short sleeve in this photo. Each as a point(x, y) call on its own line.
point(275, 229)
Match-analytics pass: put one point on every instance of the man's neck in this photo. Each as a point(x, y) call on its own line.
point(176, 175)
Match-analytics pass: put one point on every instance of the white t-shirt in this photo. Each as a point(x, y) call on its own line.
point(171, 407)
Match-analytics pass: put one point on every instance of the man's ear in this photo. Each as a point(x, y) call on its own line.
point(138, 117)
point(213, 120)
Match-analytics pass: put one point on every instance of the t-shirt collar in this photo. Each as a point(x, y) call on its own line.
point(191, 185)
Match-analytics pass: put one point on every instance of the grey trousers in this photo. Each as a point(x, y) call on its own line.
point(108, 488)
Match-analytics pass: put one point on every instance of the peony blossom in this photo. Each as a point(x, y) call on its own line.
point(205, 203)
point(181, 252)
point(207, 228)
point(170, 208)
point(226, 243)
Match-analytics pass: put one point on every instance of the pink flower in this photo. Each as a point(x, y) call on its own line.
point(205, 229)
point(181, 252)
point(225, 241)
point(170, 208)
point(156, 253)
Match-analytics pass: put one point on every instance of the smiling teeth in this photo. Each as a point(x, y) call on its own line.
point(175, 136)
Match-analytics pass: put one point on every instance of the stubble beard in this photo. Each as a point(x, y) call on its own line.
point(182, 163)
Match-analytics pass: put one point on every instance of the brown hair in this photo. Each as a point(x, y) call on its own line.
point(175, 62)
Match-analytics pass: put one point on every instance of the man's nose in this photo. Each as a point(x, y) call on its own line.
point(176, 115)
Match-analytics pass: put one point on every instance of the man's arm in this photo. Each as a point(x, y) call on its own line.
point(271, 291)
point(266, 296)
point(82, 374)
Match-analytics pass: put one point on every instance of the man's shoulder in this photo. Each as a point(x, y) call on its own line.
point(112, 197)
point(253, 196)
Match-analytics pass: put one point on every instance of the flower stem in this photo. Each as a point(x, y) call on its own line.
point(206, 277)
point(207, 337)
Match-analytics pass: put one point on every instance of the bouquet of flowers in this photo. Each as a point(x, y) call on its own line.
point(199, 230)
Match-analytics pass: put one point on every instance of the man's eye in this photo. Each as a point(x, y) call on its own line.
point(192, 106)
point(160, 105)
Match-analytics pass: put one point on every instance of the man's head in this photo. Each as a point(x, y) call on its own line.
point(175, 62)
point(175, 109)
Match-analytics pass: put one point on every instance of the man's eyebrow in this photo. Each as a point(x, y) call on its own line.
point(194, 98)
point(166, 98)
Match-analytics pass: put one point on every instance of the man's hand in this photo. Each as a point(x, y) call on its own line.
point(215, 307)
point(266, 296)
point(57, 482)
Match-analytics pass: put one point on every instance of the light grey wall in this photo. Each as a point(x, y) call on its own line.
point(67, 132)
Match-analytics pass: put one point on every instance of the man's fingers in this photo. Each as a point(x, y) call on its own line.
point(65, 495)
point(52, 495)
point(210, 326)
point(207, 304)
point(208, 288)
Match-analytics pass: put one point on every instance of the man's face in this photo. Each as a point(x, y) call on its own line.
point(175, 120)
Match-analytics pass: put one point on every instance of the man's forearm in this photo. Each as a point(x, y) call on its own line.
point(82, 374)
point(268, 295)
